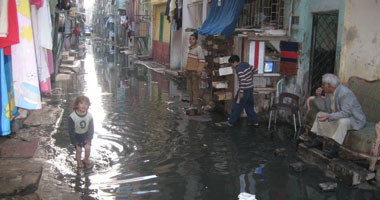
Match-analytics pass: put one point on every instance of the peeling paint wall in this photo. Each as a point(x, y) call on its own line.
point(361, 40)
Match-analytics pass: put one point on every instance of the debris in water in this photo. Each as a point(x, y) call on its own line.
point(246, 196)
point(280, 152)
point(298, 166)
point(328, 186)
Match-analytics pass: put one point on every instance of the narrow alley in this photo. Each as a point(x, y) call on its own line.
point(146, 147)
point(174, 87)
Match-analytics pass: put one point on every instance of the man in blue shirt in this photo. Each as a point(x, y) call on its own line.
point(244, 96)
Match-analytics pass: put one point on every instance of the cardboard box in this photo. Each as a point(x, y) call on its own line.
point(224, 71)
point(220, 84)
point(222, 60)
point(222, 95)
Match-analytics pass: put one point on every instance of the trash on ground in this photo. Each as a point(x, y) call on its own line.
point(192, 111)
point(246, 196)
point(298, 166)
point(328, 186)
point(280, 152)
point(222, 124)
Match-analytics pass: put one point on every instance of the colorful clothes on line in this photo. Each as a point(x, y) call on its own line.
point(3, 18)
point(4, 103)
point(25, 75)
point(45, 26)
point(45, 85)
point(13, 33)
point(41, 55)
point(37, 3)
point(8, 75)
point(50, 61)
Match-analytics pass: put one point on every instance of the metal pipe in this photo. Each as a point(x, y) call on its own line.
point(290, 18)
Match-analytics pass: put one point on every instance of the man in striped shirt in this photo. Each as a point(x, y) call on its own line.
point(244, 97)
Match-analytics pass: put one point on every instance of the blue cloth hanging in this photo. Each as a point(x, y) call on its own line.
point(222, 18)
point(4, 103)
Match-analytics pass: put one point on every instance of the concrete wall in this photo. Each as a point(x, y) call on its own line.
point(302, 34)
point(176, 50)
point(361, 41)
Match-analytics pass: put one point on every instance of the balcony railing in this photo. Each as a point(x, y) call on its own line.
point(142, 25)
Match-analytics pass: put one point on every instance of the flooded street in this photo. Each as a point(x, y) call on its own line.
point(145, 147)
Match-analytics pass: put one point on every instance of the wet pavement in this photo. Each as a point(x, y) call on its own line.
point(145, 147)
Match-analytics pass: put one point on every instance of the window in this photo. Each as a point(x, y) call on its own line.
point(262, 13)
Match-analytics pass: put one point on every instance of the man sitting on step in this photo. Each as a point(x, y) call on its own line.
point(344, 113)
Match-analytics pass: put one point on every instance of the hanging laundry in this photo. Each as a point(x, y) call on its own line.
point(45, 84)
point(9, 79)
point(3, 18)
point(50, 61)
point(41, 55)
point(45, 26)
point(178, 15)
point(167, 10)
point(37, 3)
point(13, 33)
point(25, 75)
point(4, 103)
point(172, 8)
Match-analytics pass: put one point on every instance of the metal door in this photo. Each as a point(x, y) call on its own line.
point(323, 47)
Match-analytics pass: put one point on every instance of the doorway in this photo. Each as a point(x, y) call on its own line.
point(323, 47)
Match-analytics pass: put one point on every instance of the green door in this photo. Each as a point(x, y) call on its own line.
point(162, 15)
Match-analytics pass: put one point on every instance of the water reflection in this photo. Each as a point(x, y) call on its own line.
point(146, 148)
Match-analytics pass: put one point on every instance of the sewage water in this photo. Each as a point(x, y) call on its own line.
point(145, 147)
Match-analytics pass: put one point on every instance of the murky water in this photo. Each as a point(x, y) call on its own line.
point(145, 147)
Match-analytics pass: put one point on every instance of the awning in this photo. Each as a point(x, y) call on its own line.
point(222, 17)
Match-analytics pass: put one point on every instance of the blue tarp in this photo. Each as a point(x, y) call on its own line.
point(222, 19)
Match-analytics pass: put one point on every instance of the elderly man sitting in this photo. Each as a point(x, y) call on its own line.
point(344, 113)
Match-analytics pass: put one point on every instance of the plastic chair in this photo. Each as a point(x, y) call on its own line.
point(292, 107)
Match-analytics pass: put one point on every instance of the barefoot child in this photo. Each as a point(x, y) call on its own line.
point(81, 129)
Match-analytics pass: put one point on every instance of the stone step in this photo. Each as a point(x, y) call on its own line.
point(65, 53)
point(63, 77)
point(23, 178)
point(18, 149)
point(349, 172)
point(345, 170)
point(69, 60)
point(73, 53)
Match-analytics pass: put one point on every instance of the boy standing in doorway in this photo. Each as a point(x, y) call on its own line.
point(193, 70)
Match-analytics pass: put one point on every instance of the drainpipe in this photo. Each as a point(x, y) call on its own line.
point(290, 18)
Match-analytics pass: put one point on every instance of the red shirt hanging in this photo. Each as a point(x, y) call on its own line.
point(13, 34)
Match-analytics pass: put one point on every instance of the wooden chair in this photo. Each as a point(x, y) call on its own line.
point(292, 106)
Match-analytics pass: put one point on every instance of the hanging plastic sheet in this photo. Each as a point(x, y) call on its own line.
point(222, 18)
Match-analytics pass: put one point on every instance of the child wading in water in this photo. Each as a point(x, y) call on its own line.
point(81, 129)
